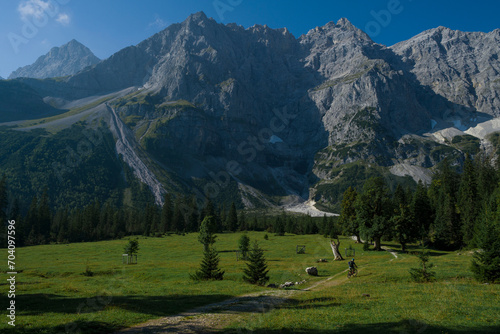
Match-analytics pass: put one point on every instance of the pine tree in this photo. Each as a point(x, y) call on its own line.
point(373, 210)
point(243, 221)
point(423, 274)
point(32, 226)
point(166, 214)
point(256, 271)
point(446, 231)
point(243, 244)
point(193, 217)
point(3, 200)
point(44, 217)
point(348, 222)
point(486, 261)
point(402, 220)
point(487, 177)
point(178, 222)
point(209, 269)
point(207, 230)
point(468, 201)
point(232, 218)
point(132, 248)
point(20, 224)
point(421, 211)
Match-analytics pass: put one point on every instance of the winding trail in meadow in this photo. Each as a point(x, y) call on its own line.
point(214, 317)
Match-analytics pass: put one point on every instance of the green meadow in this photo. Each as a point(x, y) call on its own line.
point(54, 296)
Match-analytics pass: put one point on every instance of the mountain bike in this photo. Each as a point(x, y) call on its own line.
point(352, 272)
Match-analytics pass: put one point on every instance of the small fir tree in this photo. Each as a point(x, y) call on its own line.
point(423, 274)
point(207, 230)
point(209, 269)
point(243, 245)
point(256, 272)
point(132, 248)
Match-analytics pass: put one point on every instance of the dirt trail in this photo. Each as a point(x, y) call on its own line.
point(214, 317)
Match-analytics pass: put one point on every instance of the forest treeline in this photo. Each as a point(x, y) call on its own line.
point(454, 211)
point(451, 213)
point(41, 225)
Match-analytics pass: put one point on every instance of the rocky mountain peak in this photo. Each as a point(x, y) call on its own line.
point(199, 19)
point(344, 22)
point(65, 60)
point(341, 32)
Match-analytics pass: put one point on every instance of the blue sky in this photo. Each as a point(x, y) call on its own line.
point(29, 28)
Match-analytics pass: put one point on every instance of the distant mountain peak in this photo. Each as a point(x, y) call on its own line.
point(65, 60)
point(344, 22)
point(199, 16)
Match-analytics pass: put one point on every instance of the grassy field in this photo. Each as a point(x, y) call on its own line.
point(382, 299)
point(53, 296)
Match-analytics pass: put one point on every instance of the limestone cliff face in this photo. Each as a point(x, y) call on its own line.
point(290, 110)
point(62, 61)
point(463, 67)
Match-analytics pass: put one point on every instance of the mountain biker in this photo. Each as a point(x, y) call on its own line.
point(352, 265)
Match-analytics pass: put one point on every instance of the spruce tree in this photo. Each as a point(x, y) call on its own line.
point(421, 211)
point(468, 201)
point(350, 225)
point(423, 274)
point(3, 200)
point(373, 210)
point(232, 218)
point(403, 224)
point(132, 248)
point(209, 269)
point(207, 230)
point(166, 214)
point(256, 271)
point(242, 220)
point(486, 260)
point(193, 218)
point(243, 244)
point(446, 231)
point(44, 217)
point(178, 222)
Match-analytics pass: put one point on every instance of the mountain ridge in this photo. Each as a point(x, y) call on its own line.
point(299, 117)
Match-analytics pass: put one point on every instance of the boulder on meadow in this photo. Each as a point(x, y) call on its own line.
point(286, 285)
point(313, 271)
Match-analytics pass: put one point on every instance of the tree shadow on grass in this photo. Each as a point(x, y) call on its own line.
point(39, 304)
point(79, 326)
point(406, 326)
point(154, 306)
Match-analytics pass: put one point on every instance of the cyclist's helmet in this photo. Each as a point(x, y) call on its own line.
point(353, 259)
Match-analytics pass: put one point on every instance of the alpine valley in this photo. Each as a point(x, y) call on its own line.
point(253, 116)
